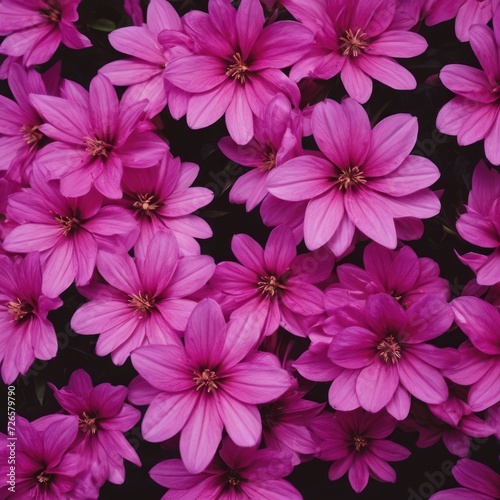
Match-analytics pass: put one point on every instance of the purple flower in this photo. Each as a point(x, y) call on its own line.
point(145, 301)
point(235, 473)
point(479, 482)
point(35, 28)
point(355, 38)
point(480, 225)
point(473, 115)
point(235, 68)
point(213, 382)
point(95, 136)
point(366, 179)
point(26, 333)
point(68, 232)
point(103, 417)
point(354, 440)
point(272, 286)
point(161, 197)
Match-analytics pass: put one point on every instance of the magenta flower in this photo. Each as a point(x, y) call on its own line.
point(355, 39)
point(400, 273)
point(161, 197)
point(480, 225)
point(367, 179)
point(271, 286)
point(103, 417)
point(355, 442)
point(95, 137)
point(144, 72)
point(479, 482)
point(68, 232)
point(479, 364)
point(134, 11)
point(35, 28)
point(212, 383)
point(236, 64)
point(235, 473)
point(26, 333)
point(473, 115)
point(145, 301)
point(278, 138)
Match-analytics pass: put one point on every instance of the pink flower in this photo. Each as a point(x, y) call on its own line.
point(145, 301)
point(103, 417)
point(355, 442)
point(213, 382)
point(366, 179)
point(480, 225)
point(134, 11)
point(68, 232)
point(161, 197)
point(479, 482)
point(235, 68)
point(144, 72)
point(278, 138)
point(400, 273)
point(355, 38)
point(272, 286)
point(26, 333)
point(35, 28)
point(235, 473)
point(473, 115)
point(95, 136)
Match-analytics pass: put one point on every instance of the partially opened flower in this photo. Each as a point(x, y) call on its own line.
point(212, 383)
point(103, 417)
point(25, 331)
point(355, 441)
point(34, 29)
point(237, 473)
point(366, 179)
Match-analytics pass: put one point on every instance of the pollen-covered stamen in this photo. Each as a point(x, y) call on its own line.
point(52, 12)
point(31, 134)
point(43, 477)
point(97, 147)
point(238, 69)
point(353, 43)
point(142, 303)
point(270, 285)
point(359, 442)
point(146, 203)
point(268, 162)
point(350, 177)
point(233, 478)
point(67, 223)
point(19, 309)
point(390, 350)
point(87, 423)
point(206, 378)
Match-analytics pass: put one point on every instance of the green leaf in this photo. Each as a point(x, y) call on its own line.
point(105, 25)
point(40, 387)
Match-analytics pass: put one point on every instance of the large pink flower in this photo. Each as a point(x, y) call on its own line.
point(236, 64)
point(474, 114)
point(355, 38)
point(366, 179)
point(214, 382)
point(35, 28)
point(95, 136)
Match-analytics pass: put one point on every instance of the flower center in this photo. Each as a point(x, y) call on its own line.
point(271, 415)
point(353, 43)
point(233, 478)
point(390, 350)
point(87, 424)
point(142, 303)
point(205, 379)
point(97, 147)
point(146, 203)
point(269, 285)
point(52, 12)
point(19, 309)
point(43, 477)
point(359, 442)
point(31, 134)
point(268, 162)
point(67, 223)
point(350, 177)
point(238, 69)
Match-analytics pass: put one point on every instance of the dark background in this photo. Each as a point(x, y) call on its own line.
point(33, 397)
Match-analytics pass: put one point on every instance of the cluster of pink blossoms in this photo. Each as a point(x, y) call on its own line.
point(225, 353)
